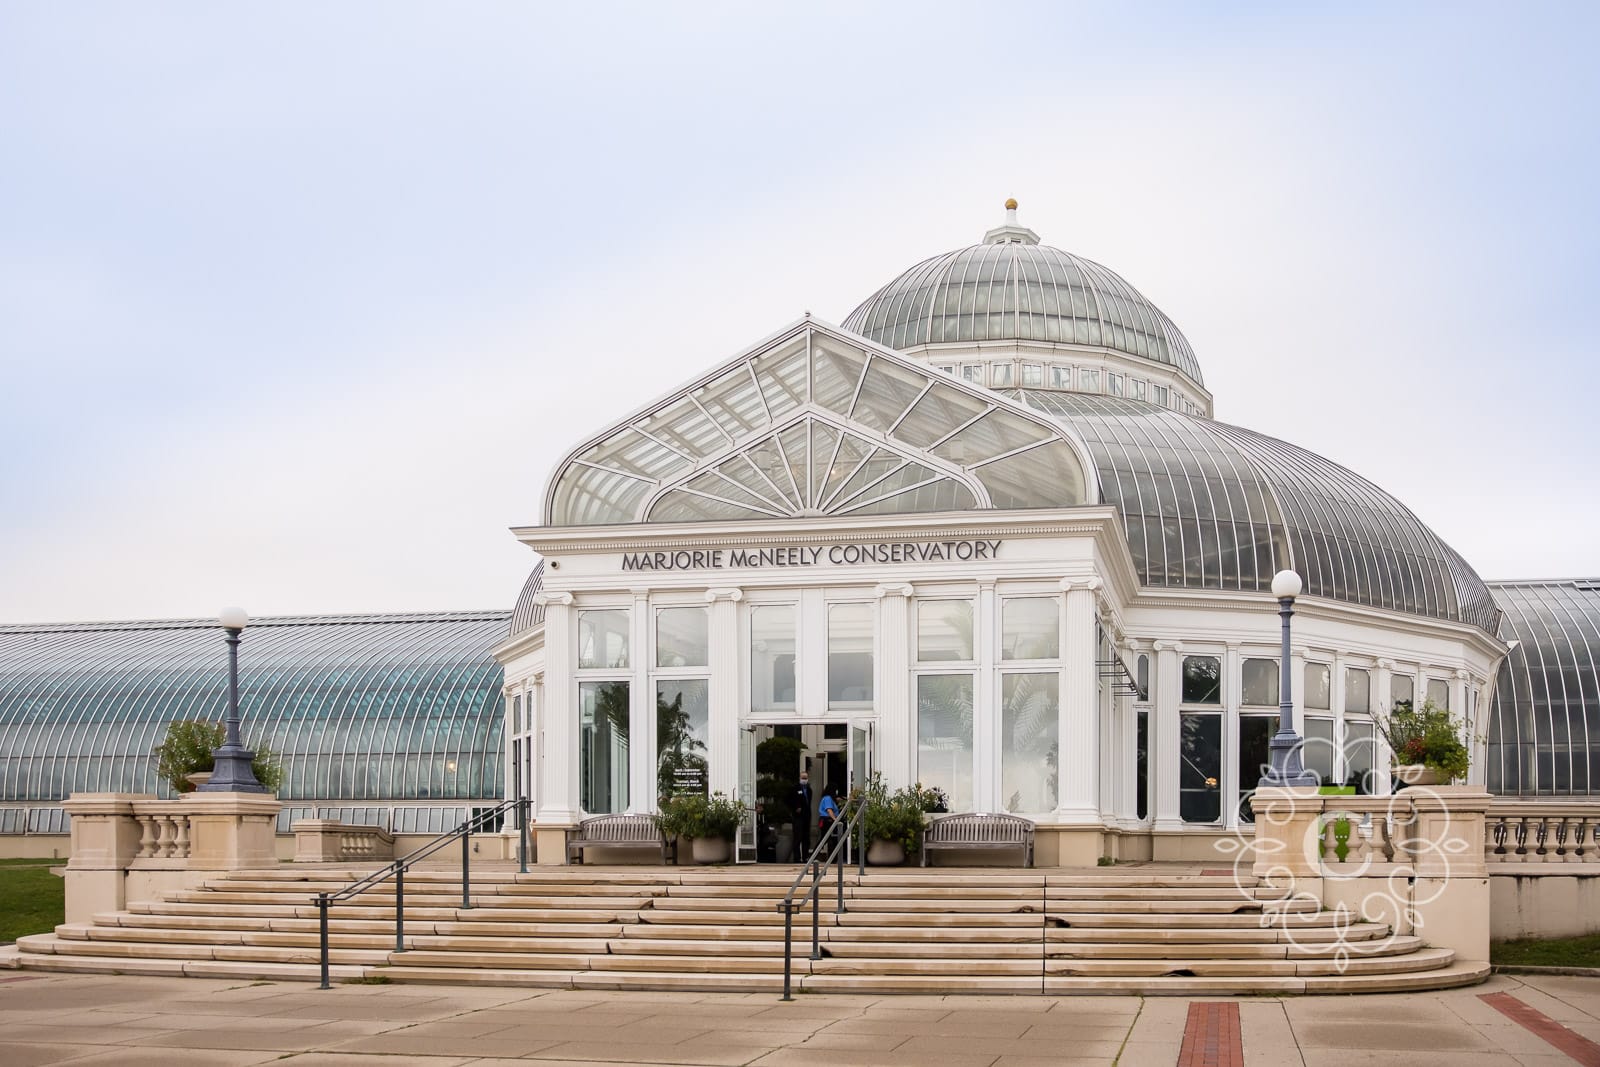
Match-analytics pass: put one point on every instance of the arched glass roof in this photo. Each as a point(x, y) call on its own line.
point(1208, 505)
point(529, 612)
point(361, 707)
point(815, 422)
point(1018, 290)
point(1544, 729)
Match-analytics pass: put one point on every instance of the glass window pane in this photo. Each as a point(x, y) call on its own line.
point(603, 747)
point(1029, 706)
point(849, 655)
point(682, 732)
point(1202, 680)
point(944, 630)
point(1402, 691)
point(1030, 628)
point(1032, 375)
point(1142, 767)
point(1357, 691)
point(1317, 753)
point(772, 651)
point(1319, 686)
point(1114, 384)
point(1261, 683)
point(603, 638)
point(1360, 757)
point(1000, 374)
point(682, 637)
point(1200, 773)
point(1089, 381)
point(1061, 377)
point(944, 736)
point(1439, 692)
point(1255, 731)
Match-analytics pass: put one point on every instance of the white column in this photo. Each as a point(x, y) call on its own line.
point(1078, 760)
point(1127, 758)
point(508, 735)
point(892, 685)
point(722, 747)
point(641, 706)
point(1166, 735)
point(1232, 731)
point(985, 709)
point(558, 792)
point(1382, 704)
point(1341, 773)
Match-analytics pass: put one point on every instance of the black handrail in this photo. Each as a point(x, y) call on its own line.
point(397, 871)
point(839, 834)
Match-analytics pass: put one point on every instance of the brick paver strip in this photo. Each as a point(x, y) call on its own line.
point(1573, 1044)
point(1211, 1036)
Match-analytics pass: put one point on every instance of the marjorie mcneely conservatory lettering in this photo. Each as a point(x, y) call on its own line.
point(807, 556)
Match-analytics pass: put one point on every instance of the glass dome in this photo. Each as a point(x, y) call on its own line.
point(1011, 288)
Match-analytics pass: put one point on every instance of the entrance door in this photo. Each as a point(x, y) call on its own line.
point(748, 739)
point(860, 754)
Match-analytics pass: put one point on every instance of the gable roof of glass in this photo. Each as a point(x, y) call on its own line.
point(1213, 506)
point(816, 421)
point(1018, 290)
point(361, 707)
point(1544, 727)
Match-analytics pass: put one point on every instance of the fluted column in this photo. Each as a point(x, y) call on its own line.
point(985, 704)
point(895, 701)
point(1166, 735)
point(1078, 761)
point(1382, 706)
point(558, 790)
point(722, 747)
point(508, 735)
point(641, 706)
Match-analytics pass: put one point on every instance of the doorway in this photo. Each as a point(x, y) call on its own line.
point(773, 755)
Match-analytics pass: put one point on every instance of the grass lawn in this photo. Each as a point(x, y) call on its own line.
point(1557, 952)
point(33, 900)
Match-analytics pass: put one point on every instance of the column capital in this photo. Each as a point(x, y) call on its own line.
point(1233, 646)
point(1462, 675)
point(889, 589)
point(1167, 646)
point(1089, 582)
point(639, 592)
point(728, 593)
point(1386, 664)
point(546, 599)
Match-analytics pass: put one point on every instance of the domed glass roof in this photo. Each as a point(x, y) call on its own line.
point(1207, 505)
point(1011, 288)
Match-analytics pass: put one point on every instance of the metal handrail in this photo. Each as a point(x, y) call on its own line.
point(839, 834)
point(397, 871)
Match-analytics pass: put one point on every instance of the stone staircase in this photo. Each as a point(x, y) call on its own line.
point(1149, 929)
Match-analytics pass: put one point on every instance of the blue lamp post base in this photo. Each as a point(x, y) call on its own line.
point(231, 771)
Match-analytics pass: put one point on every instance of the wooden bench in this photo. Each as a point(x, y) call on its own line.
point(979, 831)
point(618, 831)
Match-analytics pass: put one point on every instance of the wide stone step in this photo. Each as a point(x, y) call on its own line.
point(1240, 934)
point(1171, 920)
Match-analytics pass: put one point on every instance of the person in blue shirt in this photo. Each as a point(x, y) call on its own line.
point(827, 811)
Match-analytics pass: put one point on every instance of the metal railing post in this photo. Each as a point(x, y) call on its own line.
point(522, 836)
point(861, 840)
point(466, 860)
point(399, 907)
point(788, 945)
point(816, 915)
point(844, 839)
point(322, 910)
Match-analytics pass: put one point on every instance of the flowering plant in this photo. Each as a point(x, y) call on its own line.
point(1428, 735)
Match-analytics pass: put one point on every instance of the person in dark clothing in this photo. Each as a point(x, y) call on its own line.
point(802, 819)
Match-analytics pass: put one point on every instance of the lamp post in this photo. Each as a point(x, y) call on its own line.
point(231, 772)
point(1284, 768)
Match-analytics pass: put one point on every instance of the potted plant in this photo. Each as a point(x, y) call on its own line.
point(893, 821)
point(711, 822)
point(184, 761)
point(1426, 745)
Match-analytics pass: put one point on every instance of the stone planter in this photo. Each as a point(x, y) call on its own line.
point(711, 850)
point(1417, 774)
point(198, 778)
point(881, 853)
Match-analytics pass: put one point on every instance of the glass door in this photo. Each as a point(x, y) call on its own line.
point(860, 754)
point(746, 850)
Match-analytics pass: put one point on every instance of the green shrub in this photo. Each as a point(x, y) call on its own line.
point(187, 750)
point(695, 815)
point(1428, 735)
point(895, 816)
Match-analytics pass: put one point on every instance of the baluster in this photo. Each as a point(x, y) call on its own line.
point(1541, 836)
point(1330, 839)
point(1361, 831)
point(164, 835)
point(1583, 838)
point(1561, 827)
point(180, 841)
point(1520, 830)
point(147, 836)
point(1495, 841)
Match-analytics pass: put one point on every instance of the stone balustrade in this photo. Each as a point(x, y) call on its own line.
point(163, 830)
point(1541, 833)
point(331, 841)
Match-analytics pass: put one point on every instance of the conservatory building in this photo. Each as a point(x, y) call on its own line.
point(985, 536)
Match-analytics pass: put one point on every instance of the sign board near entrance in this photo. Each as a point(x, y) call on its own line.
point(810, 555)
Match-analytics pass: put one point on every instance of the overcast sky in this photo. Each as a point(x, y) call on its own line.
point(300, 303)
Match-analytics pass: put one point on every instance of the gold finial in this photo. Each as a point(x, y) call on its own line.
point(1011, 204)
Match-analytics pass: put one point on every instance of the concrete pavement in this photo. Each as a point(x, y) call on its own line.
point(127, 1021)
